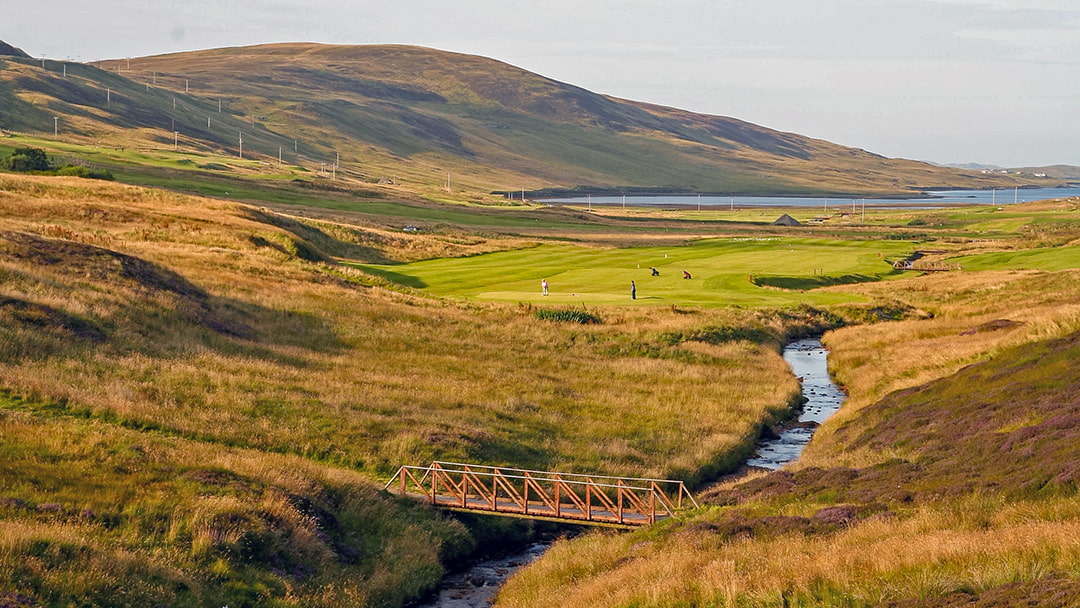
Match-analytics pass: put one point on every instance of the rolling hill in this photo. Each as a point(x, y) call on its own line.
point(409, 114)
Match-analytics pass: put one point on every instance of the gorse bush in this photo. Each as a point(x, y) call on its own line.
point(34, 160)
point(25, 160)
point(568, 315)
point(86, 172)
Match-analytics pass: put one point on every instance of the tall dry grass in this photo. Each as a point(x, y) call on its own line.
point(312, 362)
point(966, 327)
point(970, 546)
point(90, 512)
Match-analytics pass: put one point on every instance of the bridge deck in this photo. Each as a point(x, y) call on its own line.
point(590, 499)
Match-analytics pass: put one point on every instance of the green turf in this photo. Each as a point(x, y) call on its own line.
point(1046, 258)
point(721, 272)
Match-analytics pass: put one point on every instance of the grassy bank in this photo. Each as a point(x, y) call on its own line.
point(947, 479)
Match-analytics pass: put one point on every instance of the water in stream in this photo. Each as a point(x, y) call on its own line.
point(477, 586)
point(808, 362)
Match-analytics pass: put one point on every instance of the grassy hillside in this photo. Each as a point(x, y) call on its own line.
point(948, 478)
point(411, 116)
point(200, 398)
point(199, 402)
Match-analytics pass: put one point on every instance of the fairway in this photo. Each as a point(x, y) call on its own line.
point(721, 271)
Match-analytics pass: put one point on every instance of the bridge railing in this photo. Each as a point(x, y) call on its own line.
point(546, 494)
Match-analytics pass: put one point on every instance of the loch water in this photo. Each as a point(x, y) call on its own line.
point(931, 199)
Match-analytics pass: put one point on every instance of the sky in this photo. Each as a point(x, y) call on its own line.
point(948, 81)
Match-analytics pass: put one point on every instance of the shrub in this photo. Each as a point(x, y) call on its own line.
point(34, 160)
point(568, 315)
point(80, 171)
point(25, 160)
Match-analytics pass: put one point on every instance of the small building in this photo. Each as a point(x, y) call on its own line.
point(786, 220)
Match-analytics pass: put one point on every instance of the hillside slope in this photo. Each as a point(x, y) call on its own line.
point(198, 401)
point(407, 113)
point(955, 491)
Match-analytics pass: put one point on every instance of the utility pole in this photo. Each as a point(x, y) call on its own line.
point(56, 126)
point(241, 144)
point(448, 182)
point(176, 141)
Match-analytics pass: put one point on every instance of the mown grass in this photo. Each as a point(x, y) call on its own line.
point(724, 272)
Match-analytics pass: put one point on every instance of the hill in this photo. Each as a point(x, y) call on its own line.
point(414, 115)
point(10, 51)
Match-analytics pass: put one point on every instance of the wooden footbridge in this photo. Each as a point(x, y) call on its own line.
point(589, 499)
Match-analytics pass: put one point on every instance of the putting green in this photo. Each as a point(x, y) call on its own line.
point(721, 269)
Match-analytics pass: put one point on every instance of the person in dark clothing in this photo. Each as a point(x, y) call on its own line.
point(633, 291)
point(655, 272)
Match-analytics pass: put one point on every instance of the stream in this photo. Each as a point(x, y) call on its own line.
point(476, 587)
point(809, 362)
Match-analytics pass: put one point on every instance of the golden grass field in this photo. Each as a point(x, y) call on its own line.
point(201, 399)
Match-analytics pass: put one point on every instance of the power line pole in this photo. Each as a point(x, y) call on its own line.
point(56, 126)
point(241, 144)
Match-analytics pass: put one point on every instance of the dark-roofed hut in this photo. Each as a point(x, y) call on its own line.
point(786, 220)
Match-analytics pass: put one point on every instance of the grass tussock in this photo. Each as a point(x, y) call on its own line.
point(93, 513)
